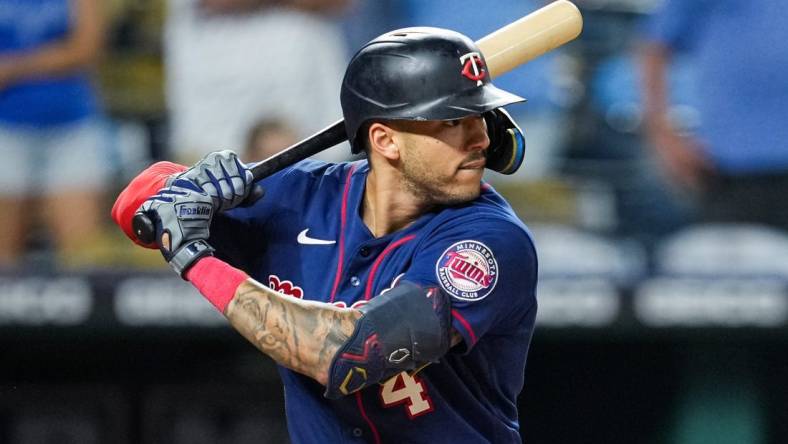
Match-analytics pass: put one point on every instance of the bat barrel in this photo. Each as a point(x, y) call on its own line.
point(531, 36)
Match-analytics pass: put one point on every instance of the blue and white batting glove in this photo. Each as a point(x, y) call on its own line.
point(182, 213)
point(225, 178)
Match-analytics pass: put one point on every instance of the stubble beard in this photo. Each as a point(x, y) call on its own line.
point(434, 190)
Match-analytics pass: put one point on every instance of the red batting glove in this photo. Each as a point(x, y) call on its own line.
point(146, 184)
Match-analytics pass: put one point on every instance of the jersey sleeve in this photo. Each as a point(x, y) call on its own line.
point(489, 270)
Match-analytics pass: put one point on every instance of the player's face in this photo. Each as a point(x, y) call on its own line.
point(443, 161)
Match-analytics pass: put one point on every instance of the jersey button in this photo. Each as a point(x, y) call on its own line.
point(357, 432)
point(355, 281)
point(364, 252)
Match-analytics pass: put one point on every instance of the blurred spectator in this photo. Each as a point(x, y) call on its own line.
point(614, 152)
point(229, 62)
point(51, 135)
point(266, 138)
point(737, 162)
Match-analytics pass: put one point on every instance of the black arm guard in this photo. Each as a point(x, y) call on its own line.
point(400, 330)
point(507, 142)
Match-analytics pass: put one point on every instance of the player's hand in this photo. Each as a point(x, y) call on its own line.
point(223, 177)
point(182, 213)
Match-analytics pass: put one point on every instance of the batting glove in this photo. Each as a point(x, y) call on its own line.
point(182, 213)
point(225, 178)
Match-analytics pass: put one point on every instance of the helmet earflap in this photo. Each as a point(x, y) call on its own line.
point(507, 142)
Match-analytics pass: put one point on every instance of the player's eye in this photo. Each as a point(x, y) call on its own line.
point(454, 122)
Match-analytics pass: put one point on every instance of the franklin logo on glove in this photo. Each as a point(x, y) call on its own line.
point(194, 211)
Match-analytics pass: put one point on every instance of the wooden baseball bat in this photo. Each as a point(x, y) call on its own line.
point(515, 44)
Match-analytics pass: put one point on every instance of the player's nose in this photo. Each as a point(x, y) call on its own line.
point(476, 133)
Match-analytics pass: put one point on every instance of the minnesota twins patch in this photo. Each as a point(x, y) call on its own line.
point(467, 270)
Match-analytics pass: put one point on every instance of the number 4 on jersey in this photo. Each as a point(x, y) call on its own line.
point(409, 390)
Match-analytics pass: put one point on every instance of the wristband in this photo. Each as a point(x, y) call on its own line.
point(216, 280)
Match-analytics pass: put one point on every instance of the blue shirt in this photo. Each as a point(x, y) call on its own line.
point(479, 253)
point(739, 47)
point(25, 26)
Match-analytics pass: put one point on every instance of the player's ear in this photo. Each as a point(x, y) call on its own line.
point(382, 140)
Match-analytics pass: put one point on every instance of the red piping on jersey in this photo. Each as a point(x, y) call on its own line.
point(342, 233)
point(371, 278)
point(372, 427)
point(465, 324)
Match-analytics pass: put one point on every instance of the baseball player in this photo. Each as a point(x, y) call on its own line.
point(396, 293)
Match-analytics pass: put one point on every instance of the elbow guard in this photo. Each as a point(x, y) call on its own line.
point(400, 330)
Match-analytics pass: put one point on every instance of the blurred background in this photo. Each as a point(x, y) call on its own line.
point(655, 183)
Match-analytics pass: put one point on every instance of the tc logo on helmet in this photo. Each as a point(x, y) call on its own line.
point(473, 67)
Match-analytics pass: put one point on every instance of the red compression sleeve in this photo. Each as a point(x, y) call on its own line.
point(216, 280)
point(146, 184)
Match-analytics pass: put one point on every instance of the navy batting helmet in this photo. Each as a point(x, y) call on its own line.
point(423, 74)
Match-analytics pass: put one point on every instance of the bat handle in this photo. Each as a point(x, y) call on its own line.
point(144, 228)
point(326, 138)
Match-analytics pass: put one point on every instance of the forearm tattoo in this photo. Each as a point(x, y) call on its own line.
point(301, 335)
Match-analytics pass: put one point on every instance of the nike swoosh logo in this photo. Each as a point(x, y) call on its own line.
point(303, 239)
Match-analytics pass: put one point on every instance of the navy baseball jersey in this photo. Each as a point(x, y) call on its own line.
point(306, 238)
